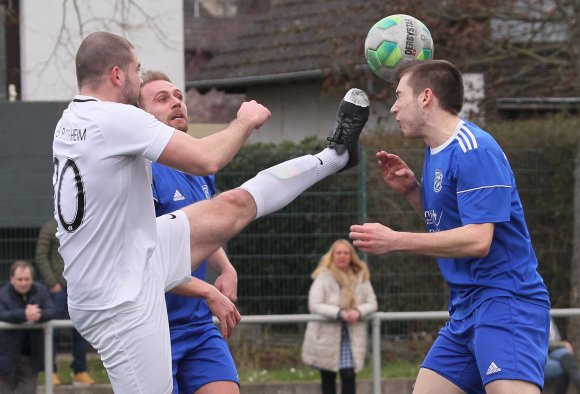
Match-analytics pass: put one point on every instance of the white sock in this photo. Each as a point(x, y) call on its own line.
point(276, 187)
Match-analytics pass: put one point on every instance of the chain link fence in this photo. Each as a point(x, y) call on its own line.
point(275, 255)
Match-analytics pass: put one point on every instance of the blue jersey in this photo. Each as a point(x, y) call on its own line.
point(468, 180)
point(173, 190)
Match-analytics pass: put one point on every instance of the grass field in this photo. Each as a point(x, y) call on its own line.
point(300, 373)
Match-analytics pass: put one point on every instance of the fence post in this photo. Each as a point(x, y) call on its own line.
point(376, 323)
point(362, 194)
point(48, 351)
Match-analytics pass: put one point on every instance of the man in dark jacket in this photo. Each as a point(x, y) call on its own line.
point(22, 355)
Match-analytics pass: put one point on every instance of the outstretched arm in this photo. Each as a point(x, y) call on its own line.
point(219, 304)
point(472, 240)
point(209, 154)
point(398, 175)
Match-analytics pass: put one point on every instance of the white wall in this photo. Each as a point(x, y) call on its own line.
point(302, 109)
point(474, 91)
point(51, 32)
point(299, 110)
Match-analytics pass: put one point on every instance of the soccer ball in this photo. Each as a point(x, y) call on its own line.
point(395, 39)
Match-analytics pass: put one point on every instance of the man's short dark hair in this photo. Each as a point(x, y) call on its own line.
point(441, 76)
point(98, 53)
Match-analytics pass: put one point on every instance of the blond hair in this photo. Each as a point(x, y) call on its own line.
point(153, 75)
point(356, 263)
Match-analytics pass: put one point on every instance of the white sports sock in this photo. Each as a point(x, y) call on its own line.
point(276, 187)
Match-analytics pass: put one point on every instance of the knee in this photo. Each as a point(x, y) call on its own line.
point(239, 200)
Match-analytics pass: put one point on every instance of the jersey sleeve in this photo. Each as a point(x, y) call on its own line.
point(484, 186)
point(211, 185)
point(154, 191)
point(159, 188)
point(128, 130)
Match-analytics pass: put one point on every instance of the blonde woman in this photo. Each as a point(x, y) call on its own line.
point(342, 292)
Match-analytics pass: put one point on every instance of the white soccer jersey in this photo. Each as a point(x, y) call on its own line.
point(103, 204)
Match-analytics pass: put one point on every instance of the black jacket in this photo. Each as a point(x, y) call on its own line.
point(12, 310)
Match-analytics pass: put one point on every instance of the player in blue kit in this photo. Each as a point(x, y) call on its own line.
point(201, 360)
point(496, 340)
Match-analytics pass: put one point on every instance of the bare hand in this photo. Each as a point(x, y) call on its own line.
point(373, 238)
point(568, 346)
point(396, 173)
point(254, 113)
point(225, 311)
point(227, 284)
point(350, 315)
point(32, 313)
point(56, 288)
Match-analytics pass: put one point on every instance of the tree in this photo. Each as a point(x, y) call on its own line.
point(526, 48)
point(51, 35)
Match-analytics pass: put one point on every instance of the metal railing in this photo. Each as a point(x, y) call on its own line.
point(375, 319)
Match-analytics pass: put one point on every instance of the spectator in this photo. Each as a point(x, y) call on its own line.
point(561, 367)
point(22, 351)
point(342, 292)
point(51, 266)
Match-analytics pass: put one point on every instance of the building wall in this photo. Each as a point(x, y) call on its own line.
point(303, 109)
point(51, 34)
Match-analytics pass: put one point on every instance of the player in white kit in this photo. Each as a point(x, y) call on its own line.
point(119, 259)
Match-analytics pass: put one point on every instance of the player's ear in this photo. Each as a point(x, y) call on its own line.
point(115, 75)
point(426, 97)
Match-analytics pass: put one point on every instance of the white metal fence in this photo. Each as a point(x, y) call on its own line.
point(375, 320)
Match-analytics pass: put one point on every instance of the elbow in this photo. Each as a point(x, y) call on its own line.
point(202, 167)
point(480, 249)
point(207, 165)
point(479, 240)
point(212, 168)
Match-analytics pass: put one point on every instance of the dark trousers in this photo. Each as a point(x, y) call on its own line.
point(347, 379)
point(79, 344)
point(25, 381)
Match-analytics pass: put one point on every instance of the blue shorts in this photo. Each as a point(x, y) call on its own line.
point(199, 357)
point(504, 338)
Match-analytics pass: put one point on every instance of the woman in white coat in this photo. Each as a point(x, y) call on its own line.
point(342, 292)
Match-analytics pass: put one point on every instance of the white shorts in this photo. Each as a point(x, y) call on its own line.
point(133, 338)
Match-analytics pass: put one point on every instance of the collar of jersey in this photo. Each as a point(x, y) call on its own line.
point(82, 98)
point(450, 140)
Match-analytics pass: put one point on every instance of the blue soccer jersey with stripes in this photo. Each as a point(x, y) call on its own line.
point(468, 180)
point(200, 354)
point(173, 190)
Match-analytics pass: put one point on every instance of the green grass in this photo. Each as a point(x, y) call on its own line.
point(300, 373)
point(305, 374)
